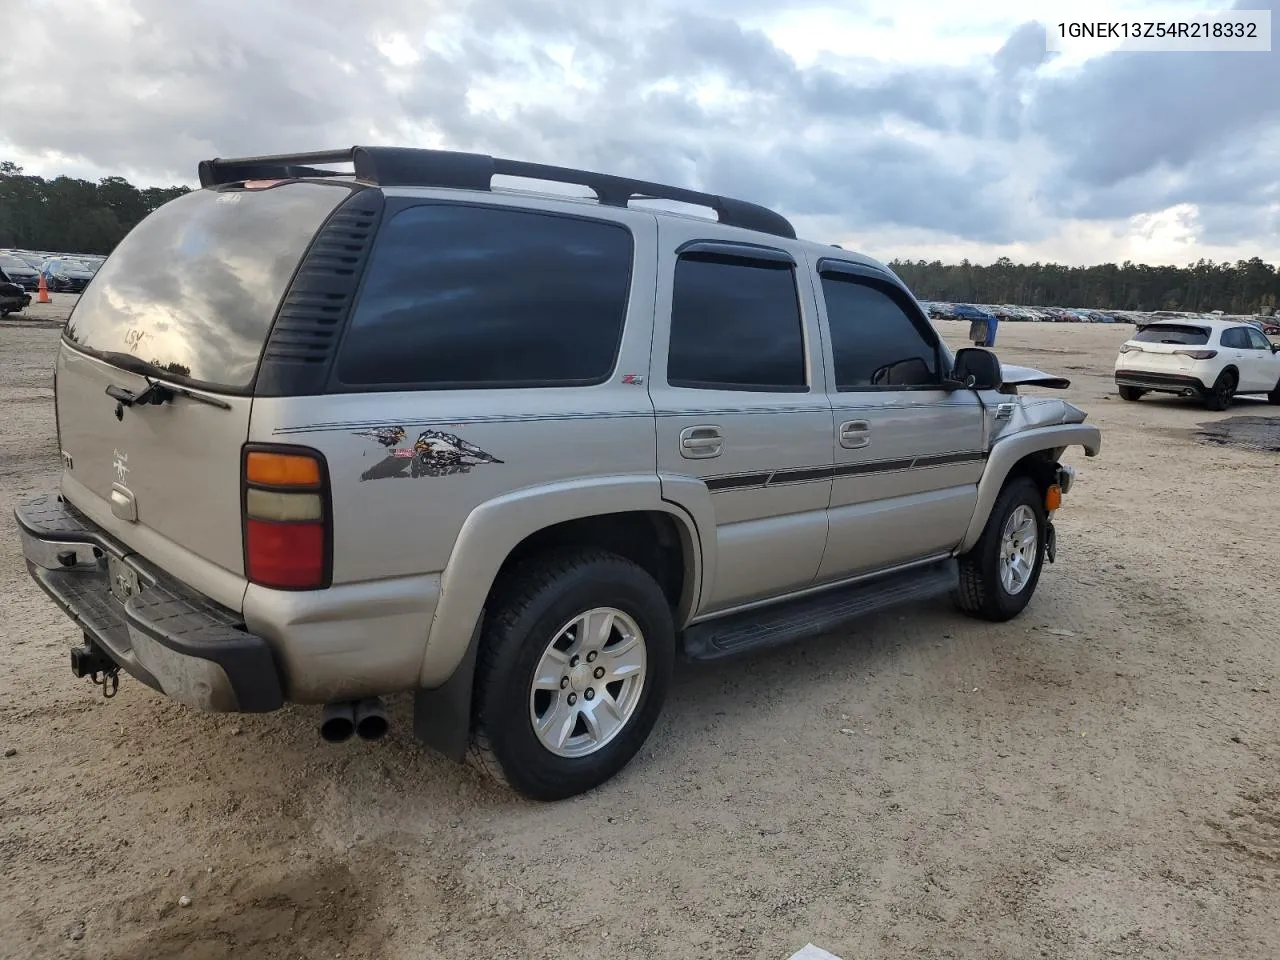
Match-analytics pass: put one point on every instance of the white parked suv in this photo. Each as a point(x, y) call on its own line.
point(1210, 359)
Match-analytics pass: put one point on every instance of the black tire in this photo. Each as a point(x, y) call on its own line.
point(1131, 393)
point(1223, 391)
point(981, 592)
point(1273, 397)
point(528, 606)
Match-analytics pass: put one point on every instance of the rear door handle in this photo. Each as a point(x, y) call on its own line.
point(855, 434)
point(701, 443)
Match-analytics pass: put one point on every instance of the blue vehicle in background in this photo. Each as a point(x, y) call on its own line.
point(64, 275)
point(982, 324)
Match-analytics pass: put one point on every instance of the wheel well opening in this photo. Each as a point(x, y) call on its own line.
point(1041, 467)
point(650, 539)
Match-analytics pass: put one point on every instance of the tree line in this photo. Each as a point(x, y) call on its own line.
point(79, 216)
point(66, 215)
point(1244, 287)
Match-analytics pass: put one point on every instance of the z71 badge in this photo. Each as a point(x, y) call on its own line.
point(434, 454)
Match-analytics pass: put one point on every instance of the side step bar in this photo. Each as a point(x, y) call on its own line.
point(817, 614)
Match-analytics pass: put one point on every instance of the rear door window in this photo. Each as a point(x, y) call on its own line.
point(193, 289)
point(1184, 334)
point(736, 325)
point(459, 296)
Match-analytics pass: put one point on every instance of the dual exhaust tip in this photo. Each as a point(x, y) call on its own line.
point(366, 719)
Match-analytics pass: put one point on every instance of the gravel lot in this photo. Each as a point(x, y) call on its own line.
point(1098, 778)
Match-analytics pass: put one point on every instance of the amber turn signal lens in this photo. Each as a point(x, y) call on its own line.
point(282, 469)
point(1053, 498)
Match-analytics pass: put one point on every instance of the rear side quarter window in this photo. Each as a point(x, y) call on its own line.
point(1234, 339)
point(461, 296)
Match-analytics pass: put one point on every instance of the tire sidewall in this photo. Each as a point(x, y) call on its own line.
point(1216, 399)
point(602, 583)
point(1020, 492)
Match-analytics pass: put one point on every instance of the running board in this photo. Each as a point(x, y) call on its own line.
point(816, 614)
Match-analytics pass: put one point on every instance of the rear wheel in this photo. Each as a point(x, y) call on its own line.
point(1223, 391)
point(1131, 393)
point(999, 575)
point(575, 660)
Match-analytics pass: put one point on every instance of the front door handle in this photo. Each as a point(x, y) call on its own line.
point(701, 443)
point(855, 434)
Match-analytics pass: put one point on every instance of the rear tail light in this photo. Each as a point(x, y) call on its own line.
point(1197, 354)
point(288, 523)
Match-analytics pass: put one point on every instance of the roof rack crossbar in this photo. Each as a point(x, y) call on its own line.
point(414, 167)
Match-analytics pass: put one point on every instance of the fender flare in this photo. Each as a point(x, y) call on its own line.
point(1009, 450)
point(493, 529)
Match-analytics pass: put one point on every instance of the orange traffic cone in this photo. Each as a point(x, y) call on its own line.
point(44, 292)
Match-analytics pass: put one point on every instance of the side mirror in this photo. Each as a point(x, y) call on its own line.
point(977, 369)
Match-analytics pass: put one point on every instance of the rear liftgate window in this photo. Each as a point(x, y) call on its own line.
point(463, 296)
point(192, 290)
point(1189, 336)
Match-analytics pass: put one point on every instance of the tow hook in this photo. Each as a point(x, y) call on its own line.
point(90, 660)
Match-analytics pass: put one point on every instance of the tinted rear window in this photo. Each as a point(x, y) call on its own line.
point(1173, 333)
point(193, 288)
point(735, 325)
point(470, 296)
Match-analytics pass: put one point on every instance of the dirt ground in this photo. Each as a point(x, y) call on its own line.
point(1099, 778)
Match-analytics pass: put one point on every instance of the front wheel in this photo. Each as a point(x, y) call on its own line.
point(1274, 396)
point(575, 660)
point(999, 575)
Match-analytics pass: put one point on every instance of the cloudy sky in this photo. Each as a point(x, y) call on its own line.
point(917, 128)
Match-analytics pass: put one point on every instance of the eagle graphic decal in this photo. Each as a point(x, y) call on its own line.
point(389, 437)
point(434, 453)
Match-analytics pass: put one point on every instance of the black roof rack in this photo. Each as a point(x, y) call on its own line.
point(413, 167)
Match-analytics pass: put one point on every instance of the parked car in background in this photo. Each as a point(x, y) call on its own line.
point(1268, 325)
point(1210, 359)
point(12, 298)
point(30, 259)
point(66, 275)
point(18, 271)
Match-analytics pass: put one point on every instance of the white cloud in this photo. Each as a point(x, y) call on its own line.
point(935, 129)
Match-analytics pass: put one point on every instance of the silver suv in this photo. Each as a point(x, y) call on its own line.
point(328, 437)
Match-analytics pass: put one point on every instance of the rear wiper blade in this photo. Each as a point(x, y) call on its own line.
point(156, 394)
